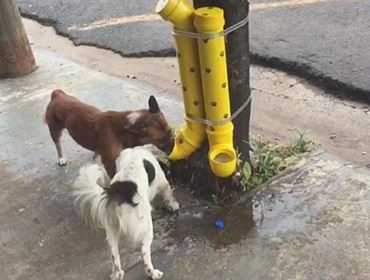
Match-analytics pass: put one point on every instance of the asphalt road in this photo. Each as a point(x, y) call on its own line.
point(325, 41)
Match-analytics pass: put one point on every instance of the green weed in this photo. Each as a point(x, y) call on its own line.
point(269, 158)
point(301, 144)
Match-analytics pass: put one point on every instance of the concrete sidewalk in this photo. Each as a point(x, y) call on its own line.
point(310, 223)
point(41, 236)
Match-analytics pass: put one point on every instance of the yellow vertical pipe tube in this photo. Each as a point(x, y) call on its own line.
point(181, 14)
point(212, 57)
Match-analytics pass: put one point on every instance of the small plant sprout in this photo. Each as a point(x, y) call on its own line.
point(301, 143)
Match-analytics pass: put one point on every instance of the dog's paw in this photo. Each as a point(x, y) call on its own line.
point(117, 275)
point(156, 274)
point(62, 162)
point(173, 206)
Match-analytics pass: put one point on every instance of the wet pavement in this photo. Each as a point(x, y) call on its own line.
point(311, 222)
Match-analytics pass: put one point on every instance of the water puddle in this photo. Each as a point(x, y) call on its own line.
point(199, 224)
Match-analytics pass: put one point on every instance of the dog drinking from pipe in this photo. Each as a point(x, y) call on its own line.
point(106, 133)
point(123, 208)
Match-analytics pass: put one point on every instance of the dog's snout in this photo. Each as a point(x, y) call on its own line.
point(171, 144)
point(166, 143)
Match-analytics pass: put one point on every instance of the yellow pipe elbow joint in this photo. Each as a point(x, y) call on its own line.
point(181, 14)
point(212, 56)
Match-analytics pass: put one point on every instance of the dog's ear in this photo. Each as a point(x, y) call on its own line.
point(124, 192)
point(153, 105)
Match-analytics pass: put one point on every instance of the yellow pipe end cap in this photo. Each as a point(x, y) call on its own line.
point(222, 160)
point(165, 7)
point(209, 19)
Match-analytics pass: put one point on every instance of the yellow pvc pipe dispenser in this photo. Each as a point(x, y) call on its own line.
point(212, 57)
point(207, 73)
point(181, 14)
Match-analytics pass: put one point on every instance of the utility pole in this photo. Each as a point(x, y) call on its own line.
point(195, 170)
point(237, 54)
point(16, 57)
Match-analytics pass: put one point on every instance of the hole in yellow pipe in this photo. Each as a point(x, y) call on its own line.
point(213, 103)
point(208, 70)
point(223, 85)
point(161, 5)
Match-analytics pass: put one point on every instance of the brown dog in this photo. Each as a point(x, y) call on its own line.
point(106, 133)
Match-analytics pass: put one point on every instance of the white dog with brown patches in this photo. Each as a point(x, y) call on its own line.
point(123, 208)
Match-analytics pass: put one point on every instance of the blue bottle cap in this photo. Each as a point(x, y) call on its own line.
point(219, 224)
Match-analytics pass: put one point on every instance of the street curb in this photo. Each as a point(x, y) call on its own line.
point(315, 77)
point(332, 86)
point(169, 52)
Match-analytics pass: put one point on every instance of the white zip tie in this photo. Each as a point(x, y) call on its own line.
point(223, 122)
point(209, 36)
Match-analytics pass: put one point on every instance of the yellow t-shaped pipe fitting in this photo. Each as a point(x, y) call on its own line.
point(181, 14)
point(212, 57)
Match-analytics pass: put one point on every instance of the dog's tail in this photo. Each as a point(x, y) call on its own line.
point(90, 195)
